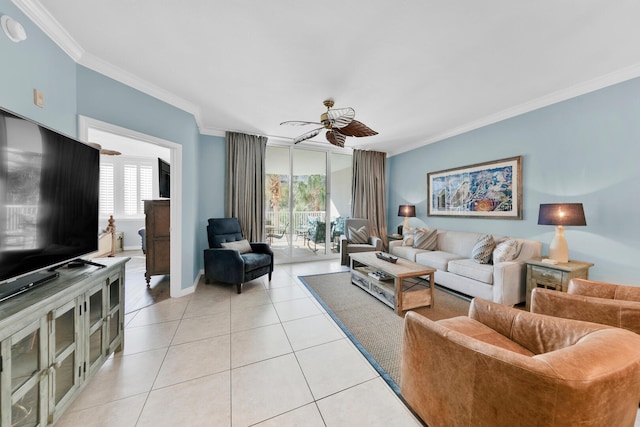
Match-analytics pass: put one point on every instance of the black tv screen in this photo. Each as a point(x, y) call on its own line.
point(49, 187)
point(164, 178)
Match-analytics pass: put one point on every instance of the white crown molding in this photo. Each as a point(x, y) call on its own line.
point(583, 88)
point(34, 10)
point(50, 26)
point(103, 67)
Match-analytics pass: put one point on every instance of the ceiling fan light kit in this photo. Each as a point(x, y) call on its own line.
point(339, 123)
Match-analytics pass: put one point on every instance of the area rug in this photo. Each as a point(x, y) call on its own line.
point(373, 326)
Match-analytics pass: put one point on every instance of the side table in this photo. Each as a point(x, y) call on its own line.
point(553, 276)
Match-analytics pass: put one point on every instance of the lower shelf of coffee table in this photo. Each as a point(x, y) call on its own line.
point(416, 291)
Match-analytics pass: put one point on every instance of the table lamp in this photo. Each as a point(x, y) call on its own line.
point(406, 211)
point(560, 215)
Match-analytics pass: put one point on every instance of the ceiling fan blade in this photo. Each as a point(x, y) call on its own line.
point(356, 128)
point(335, 138)
point(307, 135)
point(340, 117)
point(299, 123)
point(104, 151)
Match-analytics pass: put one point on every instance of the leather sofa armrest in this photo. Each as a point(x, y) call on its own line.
point(618, 313)
point(593, 288)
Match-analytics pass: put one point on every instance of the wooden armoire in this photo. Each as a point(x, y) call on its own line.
point(157, 235)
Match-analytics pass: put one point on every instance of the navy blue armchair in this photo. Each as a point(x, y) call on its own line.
point(230, 265)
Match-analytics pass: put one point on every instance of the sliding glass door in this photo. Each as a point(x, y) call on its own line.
point(304, 202)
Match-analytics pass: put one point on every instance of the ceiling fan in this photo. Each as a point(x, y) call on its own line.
point(339, 123)
point(104, 151)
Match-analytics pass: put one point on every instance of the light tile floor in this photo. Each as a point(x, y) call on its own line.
point(270, 356)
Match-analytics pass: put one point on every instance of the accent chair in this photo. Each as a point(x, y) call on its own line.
point(591, 301)
point(238, 262)
point(502, 366)
point(357, 238)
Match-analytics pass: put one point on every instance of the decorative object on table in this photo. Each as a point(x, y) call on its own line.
point(560, 215)
point(484, 190)
point(339, 123)
point(387, 257)
point(407, 211)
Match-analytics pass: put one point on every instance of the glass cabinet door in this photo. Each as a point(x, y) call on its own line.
point(27, 372)
point(95, 325)
point(115, 313)
point(66, 363)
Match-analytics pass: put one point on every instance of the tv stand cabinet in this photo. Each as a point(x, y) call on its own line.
point(55, 337)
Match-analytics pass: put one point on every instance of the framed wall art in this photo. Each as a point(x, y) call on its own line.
point(484, 190)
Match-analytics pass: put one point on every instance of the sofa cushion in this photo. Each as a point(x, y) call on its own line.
point(436, 259)
point(407, 236)
point(253, 261)
point(472, 270)
point(406, 252)
point(483, 249)
point(508, 250)
point(424, 238)
point(359, 235)
point(241, 246)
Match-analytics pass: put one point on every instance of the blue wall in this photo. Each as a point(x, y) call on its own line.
point(71, 89)
point(586, 149)
point(37, 63)
point(211, 178)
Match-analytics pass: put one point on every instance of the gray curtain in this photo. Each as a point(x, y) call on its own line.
point(368, 190)
point(245, 183)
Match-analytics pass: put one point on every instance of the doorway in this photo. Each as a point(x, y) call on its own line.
point(88, 126)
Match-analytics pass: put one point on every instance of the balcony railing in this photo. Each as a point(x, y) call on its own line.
point(300, 219)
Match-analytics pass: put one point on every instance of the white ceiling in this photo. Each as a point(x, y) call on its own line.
point(416, 71)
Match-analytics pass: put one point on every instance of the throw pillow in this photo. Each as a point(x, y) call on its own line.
point(424, 238)
point(241, 246)
point(407, 236)
point(358, 236)
point(506, 251)
point(483, 249)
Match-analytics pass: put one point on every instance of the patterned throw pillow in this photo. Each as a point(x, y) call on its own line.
point(358, 236)
point(241, 246)
point(407, 236)
point(506, 251)
point(483, 249)
point(424, 238)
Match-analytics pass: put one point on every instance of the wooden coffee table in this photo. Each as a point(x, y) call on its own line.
point(403, 289)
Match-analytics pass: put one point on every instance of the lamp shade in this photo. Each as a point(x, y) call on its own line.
point(407, 211)
point(561, 214)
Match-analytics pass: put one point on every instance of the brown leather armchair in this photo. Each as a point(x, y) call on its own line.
point(592, 301)
point(502, 366)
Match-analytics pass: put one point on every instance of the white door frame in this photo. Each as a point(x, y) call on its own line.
point(84, 123)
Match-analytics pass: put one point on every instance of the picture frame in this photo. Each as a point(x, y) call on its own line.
point(484, 190)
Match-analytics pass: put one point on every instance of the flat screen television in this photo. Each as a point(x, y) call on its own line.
point(49, 187)
point(164, 178)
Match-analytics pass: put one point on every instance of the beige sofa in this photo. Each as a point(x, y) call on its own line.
point(503, 282)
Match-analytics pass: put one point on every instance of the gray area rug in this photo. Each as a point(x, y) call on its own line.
point(373, 327)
